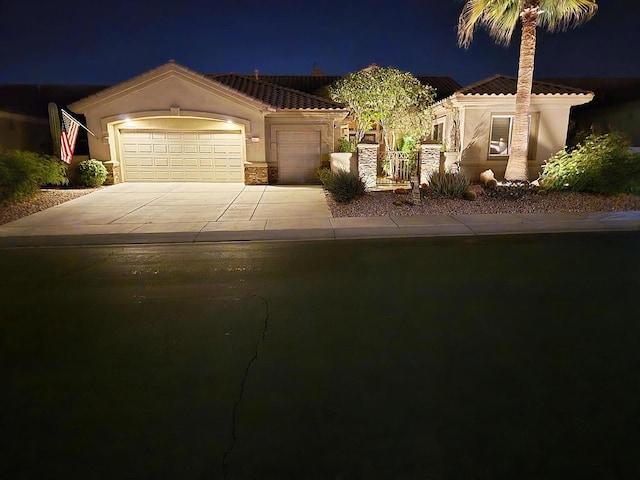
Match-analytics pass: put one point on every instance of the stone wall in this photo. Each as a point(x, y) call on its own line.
point(256, 175)
point(368, 164)
point(429, 157)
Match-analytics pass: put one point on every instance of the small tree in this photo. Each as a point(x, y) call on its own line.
point(393, 99)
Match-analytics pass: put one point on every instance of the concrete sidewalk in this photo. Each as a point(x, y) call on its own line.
point(186, 213)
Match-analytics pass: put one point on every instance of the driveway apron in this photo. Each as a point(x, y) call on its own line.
point(178, 207)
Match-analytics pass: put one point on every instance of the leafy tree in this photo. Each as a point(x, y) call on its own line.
point(393, 99)
point(500, 18)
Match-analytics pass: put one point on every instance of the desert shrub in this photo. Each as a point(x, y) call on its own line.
point(22, 173)
point(325, 176)
point(470, 195)
point(91, 173)
point(601, 164)
point(346, 186)
point(450, 185)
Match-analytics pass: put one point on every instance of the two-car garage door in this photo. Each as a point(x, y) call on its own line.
point(182, 156)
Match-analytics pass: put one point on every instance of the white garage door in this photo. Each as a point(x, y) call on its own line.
point(298, 156)
point(179, 156)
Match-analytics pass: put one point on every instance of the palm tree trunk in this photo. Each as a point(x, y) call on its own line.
point(517, 165)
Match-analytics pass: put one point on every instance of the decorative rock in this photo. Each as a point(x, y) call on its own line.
point(488, 179)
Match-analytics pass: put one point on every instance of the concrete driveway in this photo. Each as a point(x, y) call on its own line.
point(142, 208)
point(211, 212)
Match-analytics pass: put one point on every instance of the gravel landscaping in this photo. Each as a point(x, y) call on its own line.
point(45, 198)
point(389, 203)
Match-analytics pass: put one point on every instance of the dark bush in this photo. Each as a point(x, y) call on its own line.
point(22, 173)
point(601, 164)
point(450, 185)
point(346, 186)
point(343, 186)
point(91, 173)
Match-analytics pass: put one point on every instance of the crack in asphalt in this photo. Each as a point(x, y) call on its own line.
point(234, 414)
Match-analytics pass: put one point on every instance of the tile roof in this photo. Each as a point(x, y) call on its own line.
point(315, 84)
point(502, 85)
point(277, 96)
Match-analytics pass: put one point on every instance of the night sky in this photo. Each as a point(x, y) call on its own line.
point(88, 42)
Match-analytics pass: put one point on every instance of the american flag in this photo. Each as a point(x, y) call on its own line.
point(69, 135)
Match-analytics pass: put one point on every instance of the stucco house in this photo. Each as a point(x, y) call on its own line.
point(174, 124)
point(483, 113)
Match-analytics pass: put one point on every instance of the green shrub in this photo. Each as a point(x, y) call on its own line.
point(346, 145)
point(408, 144)
point(91, 173)
point(325, 176)
point(346, 186)
point(450, 185)
point(22, 173)
point(601, 164)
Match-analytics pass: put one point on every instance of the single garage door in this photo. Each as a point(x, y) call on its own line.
point(298, 156)
point(182, 156)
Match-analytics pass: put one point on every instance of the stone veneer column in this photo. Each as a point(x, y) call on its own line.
point(368, 164)
point(429, 160)
point(114, 175)
point(256, 174)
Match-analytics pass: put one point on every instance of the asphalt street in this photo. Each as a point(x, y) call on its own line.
point(430, 358)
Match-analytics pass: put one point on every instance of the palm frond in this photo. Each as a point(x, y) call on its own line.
point(499, 17)
point(560, 15)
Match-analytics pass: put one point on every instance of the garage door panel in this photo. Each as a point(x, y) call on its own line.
point(298, 156)
point(182, 156)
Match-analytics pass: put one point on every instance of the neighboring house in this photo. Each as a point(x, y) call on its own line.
point(616, 106)
point(485, 113)
point(174, 124)
point(24, 117)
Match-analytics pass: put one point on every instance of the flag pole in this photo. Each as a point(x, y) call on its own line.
point(78, 122)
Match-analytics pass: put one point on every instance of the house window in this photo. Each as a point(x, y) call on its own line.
point(501, 128)
point(438, 132)
point(501, 131)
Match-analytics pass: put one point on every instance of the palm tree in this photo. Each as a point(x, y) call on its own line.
point(500, 18)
